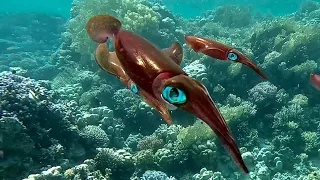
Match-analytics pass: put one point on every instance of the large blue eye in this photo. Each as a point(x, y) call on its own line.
point(134, 88)
point(174, 95)
point(232, 56)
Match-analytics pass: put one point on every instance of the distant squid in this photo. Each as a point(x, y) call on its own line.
point(315, 80)
point(220, 51)
point(160, 79)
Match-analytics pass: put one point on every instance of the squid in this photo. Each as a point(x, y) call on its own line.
point(154, 72)
point(109, 62)
point(220, 51)
point(315, 80)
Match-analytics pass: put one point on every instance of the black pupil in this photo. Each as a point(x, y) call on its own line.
point(174, 93)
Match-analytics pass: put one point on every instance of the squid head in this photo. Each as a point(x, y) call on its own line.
point(192, 96)
point(102, 27)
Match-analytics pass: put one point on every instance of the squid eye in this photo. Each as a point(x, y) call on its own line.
point(174, 95)
point(232, 56)
point(134, 88)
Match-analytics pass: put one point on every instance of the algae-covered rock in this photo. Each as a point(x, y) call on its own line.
point(120, 162)
point(191, 134)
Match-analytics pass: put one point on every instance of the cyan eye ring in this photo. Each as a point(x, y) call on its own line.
point(134, 88)
point(174, 95)
point(232, 56)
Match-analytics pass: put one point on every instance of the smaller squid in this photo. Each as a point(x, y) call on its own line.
point(220, 51)
point(109, 62)
point(315, 80)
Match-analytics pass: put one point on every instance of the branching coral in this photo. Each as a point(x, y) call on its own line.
point(150, 142)
point(311, 140)
point(135, 16)
point(237, 109)
point(304, 69)
point(208, 175)
point(293, 113)
point(233, 16)
point(313, 175)
point(300, 100)
point(288, 48)
point(267, 33)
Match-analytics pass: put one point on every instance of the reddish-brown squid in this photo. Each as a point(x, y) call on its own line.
point(315, 80)
point(220, 51)
point(158, 76)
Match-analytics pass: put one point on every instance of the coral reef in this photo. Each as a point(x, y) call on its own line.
point(206, 175)
point(155, 175)
point(61, 117)
point(29, 115)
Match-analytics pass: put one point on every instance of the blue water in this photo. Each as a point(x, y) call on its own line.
point(60, 7)
point(186, 8)
point(191, 8)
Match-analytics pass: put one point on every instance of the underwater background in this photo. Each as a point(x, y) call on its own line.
point(62, 117)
